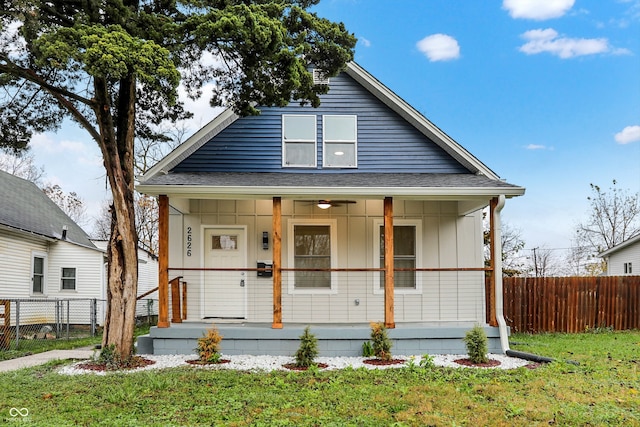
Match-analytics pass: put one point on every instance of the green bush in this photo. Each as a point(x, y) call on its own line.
point(367, 349)
point(476, 343)
point(209, 346)
point(380, 341)
point(308, 349)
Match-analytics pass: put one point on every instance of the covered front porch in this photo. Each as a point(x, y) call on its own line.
point(432, 318)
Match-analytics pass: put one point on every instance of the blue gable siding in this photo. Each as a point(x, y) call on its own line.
point(386, 142)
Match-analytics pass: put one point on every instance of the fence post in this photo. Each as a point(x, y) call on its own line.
point(68, 318)
point(92, 314)
point(17, 323)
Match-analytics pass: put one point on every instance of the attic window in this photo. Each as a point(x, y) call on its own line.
point(339, 137)
point(299, 141)
point(319, 78)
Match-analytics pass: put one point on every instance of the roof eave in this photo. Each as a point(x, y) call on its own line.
point(238, 192)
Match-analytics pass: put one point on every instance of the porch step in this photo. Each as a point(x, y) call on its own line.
point(333, 340)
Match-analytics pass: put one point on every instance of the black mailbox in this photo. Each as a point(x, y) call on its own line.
point(265, 273)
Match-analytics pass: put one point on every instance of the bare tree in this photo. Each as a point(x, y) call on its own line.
point(22, 165)
point(545, 263)
point(614, 217)
point(513, 264)
point(70, 203)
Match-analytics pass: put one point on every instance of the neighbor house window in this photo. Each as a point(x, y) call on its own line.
point(68, 279)
point(339, 137)
point(37, 279)
point(299, 141)
point(406, 255)
point(628, 268)
point(312, 249)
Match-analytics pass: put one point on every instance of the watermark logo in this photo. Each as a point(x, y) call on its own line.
point(19, 412)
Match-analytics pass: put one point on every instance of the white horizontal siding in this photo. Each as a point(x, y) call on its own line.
point(16, 251)
point(630, 254)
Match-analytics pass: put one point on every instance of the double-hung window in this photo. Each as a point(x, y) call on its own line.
point(39, 265)
point(299, 140)
point(312, 253)
point(407, 241)
point(68, 279)
point(628, 268)
point(339, 139)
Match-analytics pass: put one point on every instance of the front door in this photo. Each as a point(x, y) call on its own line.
point(225, 292)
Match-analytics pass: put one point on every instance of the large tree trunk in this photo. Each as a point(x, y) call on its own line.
point(122, 250)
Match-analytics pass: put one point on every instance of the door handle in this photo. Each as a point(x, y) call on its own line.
point(242, 283)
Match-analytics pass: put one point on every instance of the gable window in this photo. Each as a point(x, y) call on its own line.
point(68, 279)
point(407, 241)
point(299, 141)
point(339, 137)
point(312, 249)
point(38, 269)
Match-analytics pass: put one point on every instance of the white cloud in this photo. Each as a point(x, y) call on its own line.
point(439, 47)
point(538, 147)
point(538, 10)
point(628, 135)
point(364, 42)
point(548, 40)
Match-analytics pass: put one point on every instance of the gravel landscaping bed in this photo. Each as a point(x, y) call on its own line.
point(271, 363)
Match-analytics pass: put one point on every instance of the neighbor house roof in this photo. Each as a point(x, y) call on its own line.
point(620, 246)
point(26, 208)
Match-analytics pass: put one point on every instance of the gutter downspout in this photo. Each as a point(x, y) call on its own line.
point(497, 234)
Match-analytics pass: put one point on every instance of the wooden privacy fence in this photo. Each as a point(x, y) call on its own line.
point(571, 304)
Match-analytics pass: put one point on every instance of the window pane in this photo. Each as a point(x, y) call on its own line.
point(340, 154)
point(38, 265)
point(404, 249)
point(38, 275)
point(69, 278)
point(339, 128)
point(312, 251)
point(300, 154)
point(299, 128)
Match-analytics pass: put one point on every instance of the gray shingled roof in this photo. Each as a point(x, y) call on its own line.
point(25, 207)
point(328, 180)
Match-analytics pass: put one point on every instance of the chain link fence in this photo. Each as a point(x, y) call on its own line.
point(31, 323)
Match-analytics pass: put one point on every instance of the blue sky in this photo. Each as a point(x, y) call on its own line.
point(545, 92)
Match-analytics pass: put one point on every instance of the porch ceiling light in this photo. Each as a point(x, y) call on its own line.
point(323, 204)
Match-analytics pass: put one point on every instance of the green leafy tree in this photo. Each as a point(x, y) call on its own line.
point(114, 66)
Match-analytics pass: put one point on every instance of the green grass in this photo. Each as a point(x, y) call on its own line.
point(604, 389)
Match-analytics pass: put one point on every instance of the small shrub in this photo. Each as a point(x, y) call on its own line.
point(367, 349)
point(308, 349)
point(380, 341)
point(209, 346)
point(476, 343)
point(427, 362)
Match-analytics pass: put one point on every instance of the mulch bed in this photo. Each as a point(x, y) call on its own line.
point(467, 362)
point(134, 363)
point(203, 363)
point(294, 367)
point(380, 362)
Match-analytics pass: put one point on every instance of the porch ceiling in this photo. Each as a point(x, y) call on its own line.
point(327, 185)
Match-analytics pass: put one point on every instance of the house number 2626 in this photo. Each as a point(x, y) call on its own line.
point(189, 241)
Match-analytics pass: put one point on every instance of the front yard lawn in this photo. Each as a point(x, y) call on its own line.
point(604, 389)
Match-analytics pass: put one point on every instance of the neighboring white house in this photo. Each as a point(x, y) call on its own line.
point(623, 259)
point(44, 254)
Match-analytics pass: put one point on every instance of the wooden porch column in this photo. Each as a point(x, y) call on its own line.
point(491, 294)
point(277, 263)
point(163, 261)
point(389, 320)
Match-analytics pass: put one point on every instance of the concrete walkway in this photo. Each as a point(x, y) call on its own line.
point(47, 356)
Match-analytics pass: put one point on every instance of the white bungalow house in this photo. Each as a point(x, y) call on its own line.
point(624, 258)
point(359, 210)
point(44, 255)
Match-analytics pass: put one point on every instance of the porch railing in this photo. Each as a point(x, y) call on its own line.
point(460, 289)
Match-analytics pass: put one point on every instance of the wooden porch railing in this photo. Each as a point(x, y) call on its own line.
point(178, 299)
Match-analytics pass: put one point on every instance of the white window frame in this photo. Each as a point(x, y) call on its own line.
point(354, 141)
point(417, 223)
point(63, 278)
point(304, 141)
point(44, 256)
point(333, 226)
